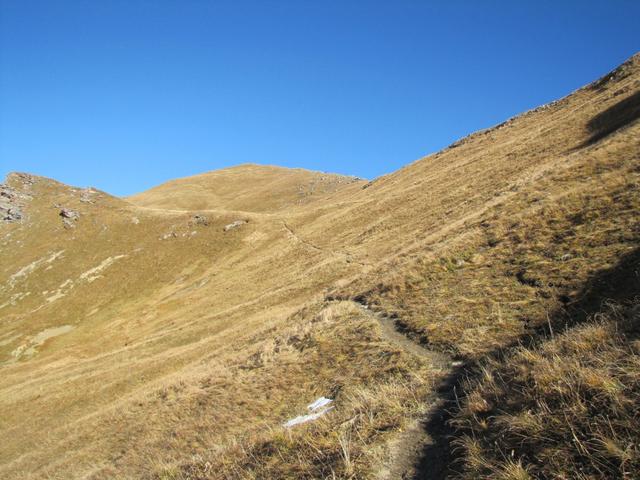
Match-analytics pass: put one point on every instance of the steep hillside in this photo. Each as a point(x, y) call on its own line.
point(171, 334)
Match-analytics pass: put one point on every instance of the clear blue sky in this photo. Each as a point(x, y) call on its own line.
point(125, 94)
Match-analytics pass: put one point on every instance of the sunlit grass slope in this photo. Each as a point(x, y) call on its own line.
point(146, 339)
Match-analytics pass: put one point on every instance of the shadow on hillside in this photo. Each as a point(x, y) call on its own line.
point(612, 119)
point(620, 283)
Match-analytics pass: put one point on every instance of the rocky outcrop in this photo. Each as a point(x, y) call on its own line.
point(14, 196)
point(12, 203)
point(21, 180)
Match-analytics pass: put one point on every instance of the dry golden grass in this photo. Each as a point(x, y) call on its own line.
point(496, 275)
point(251, 188)
point(567, 408)
point(180, 354)
point(336, 446)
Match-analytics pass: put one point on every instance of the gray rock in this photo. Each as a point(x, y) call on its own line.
point(67, 223)
point(236, 224)
point(11, 203)
point(69, 217)
point(200, 220)
point(11, 214)
point(68, 213)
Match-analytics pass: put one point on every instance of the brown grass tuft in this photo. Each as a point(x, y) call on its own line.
point(567, 407)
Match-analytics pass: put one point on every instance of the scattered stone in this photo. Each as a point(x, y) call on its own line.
point(169, 235)
point(135, 220)
point(236, 224)
point(200, 220)
point(69, 214)
point(87, 195)
point(11, 203)
point(69, 217)
point(10, 214)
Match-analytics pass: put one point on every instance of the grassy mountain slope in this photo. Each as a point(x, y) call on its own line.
point(143, 340)
point(252, 188)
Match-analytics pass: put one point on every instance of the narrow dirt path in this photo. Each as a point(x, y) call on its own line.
point(391, 333)
point(406, 453)
point(349, 258)
point(295, 236)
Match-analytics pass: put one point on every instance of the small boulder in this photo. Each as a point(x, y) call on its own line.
point(69, 214)
point(200, 220)
point(236, 224)
point(69, 217)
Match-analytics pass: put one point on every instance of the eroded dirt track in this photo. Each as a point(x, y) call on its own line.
point(421, 450)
